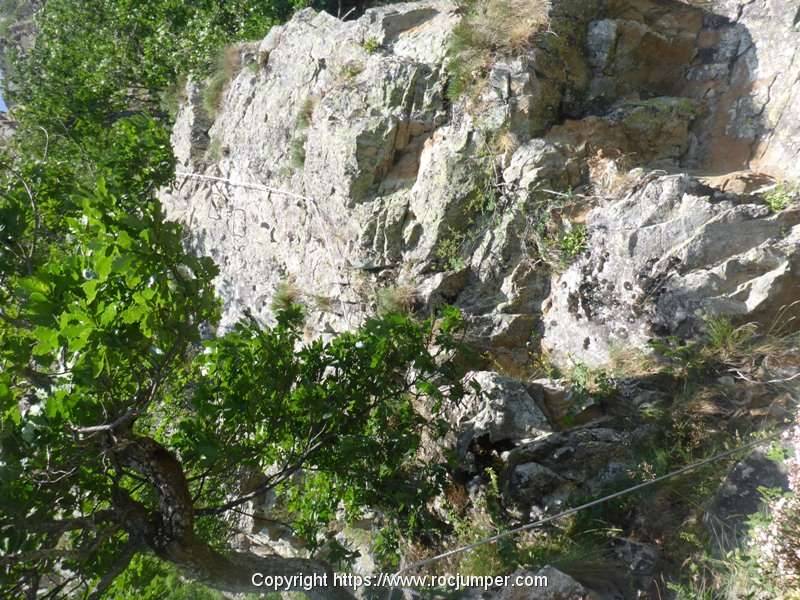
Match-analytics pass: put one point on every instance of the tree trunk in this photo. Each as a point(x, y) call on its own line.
point(170, 534)
point(233, 572)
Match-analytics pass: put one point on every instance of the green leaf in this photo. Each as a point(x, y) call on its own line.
point(90, 289)
point(14, 414)
point(134, 314)
point(34, 284)
point(108, 314)
point(103, 266)
point(123, 263)
point(77, 335)
point(125, 241)
point(47, 341)
point(99, 362)
point(55, 406)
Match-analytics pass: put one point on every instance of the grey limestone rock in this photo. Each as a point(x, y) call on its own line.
point(665, 256)
point(501, 411)
point(541, 476)
point(739, 497)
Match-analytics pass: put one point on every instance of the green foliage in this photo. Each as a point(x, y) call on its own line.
point(587, 386)
point(214, 151)
point(744, 572)
point(148, 578)
point(134, 52)
point(485, 519)
point(550, 234)
point(725, 340)
point(722, 343)
point(781, 196)
point(324, 303)
point(102, 312)
point(449, 250)
point(173, 96)
point(306, 114)
point(297, 146)
point(98, 297)
point(777, 453)
point(479, 214)
point(371, 45)
point(386, 547)
point(574, 241)
point(347, 405)
point(297, 151)
point(104, 316)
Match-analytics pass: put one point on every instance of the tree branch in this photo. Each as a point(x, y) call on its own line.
point(60, 526)
point(282, 475)
point(170, 531)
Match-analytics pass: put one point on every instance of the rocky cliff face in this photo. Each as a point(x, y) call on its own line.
point(622, 179)
point(344, 167)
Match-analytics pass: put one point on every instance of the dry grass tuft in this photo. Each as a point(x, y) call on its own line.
point(227, 66)
point(489, 29)
point(507, 26)
point(400, 299)
point(287, 294)
point(505, 143)
point(609, 173)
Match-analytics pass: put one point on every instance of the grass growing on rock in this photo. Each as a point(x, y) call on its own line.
point(371, 45)
point(174, 96)
point(574, 241)
point(549, 233)
point(478, 215)
point(297, 151)
point(225, 68)
point(781, 196)
point(350, 70)
point(287, 294)
point(450, 250)
point(214, 151)
point(491, 28)
point(710, 389)
point(398, 299)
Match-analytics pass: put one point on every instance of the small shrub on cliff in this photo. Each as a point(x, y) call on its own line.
point(781, 196)
point(726, 340)
point(214, 152)
point(371, 45)
point(350, 70)
point(777, 541)
point(574, 241)
point(767, 564)
point(174, 96)
point(297, 151)
point(479, 214)
point(547, 232)
point(449, 250)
